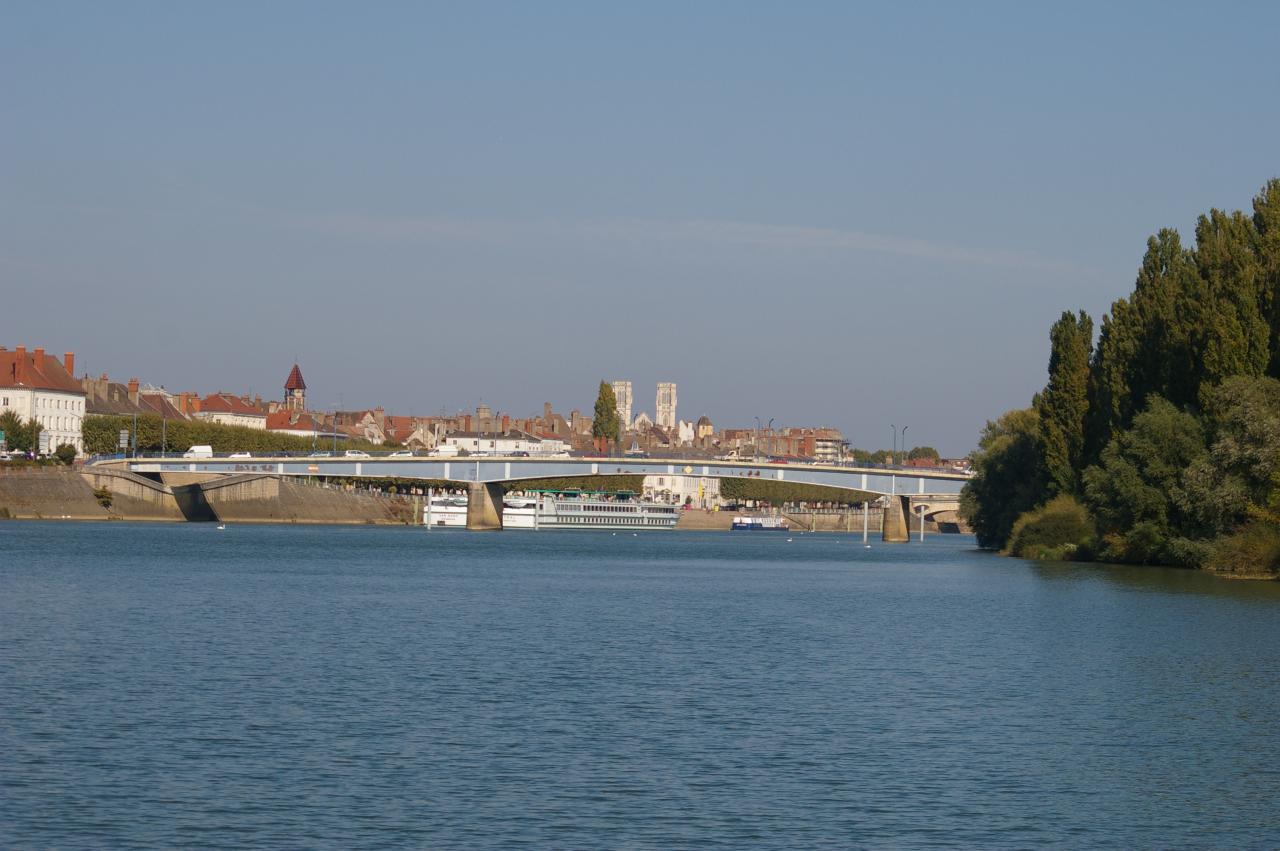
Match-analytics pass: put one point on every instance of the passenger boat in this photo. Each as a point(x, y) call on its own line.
point(759, 524)
point(561, 510)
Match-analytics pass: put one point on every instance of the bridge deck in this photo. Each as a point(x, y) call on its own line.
point(508, 469)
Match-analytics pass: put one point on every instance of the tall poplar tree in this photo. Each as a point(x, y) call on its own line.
point(605, 422)
point(1064, 404)
point(1229, 331)
point(1266, 222)
point(1146, 343)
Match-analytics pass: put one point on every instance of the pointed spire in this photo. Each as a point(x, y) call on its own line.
point(294, 381)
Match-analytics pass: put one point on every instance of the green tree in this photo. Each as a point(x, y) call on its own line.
point(605, 423)
point(924, 452)
point(1064, 405)
point(1229, 333)
point(1008, 477)
point(1145, 345)
point(11, 425)
point(1237, 478)
point(1136, 492)
point(1266, 224)
point(66, 453)
point(24, 437)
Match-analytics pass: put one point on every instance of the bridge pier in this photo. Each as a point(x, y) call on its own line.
point(894, 527)
point(484, 506)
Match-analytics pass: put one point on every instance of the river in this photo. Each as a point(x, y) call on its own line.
point(173, 685)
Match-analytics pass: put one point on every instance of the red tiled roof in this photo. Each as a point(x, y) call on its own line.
point(283, 420)
point(161, 406)
point(21, 371)
point(225, 403)
point(294, 381)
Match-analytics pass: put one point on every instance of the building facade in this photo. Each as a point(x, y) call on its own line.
point(666, 405)
point(622, 395)
point(228, 409)
point(695, 491)
point(508, 443)
point(36, 386)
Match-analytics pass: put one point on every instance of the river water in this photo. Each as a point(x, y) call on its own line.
point(178, 686)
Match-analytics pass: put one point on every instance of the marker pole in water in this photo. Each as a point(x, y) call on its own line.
point(428, 512)
point(922, 524)
point(866, 519)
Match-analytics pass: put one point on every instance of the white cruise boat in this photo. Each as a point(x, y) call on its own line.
point(556, 510)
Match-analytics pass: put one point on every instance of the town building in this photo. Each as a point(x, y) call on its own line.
point(111, 398)
point(39, 387)
point(504, 443)
point(666, 405)
point(622, 395)
point(232, 410)
point(297, 424)
point(695, 491)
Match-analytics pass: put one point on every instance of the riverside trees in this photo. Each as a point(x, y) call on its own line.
point(1169, 430)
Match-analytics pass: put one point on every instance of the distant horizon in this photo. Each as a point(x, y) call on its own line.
point(834, 215)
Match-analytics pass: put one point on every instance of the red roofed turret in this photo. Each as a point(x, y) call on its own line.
point(295, 391)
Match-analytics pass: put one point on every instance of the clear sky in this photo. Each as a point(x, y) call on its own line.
point(824, 214)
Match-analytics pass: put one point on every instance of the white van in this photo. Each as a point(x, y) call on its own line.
point(445, 450)
point(199, 452)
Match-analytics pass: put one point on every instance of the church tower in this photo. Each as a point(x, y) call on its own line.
point(295, 391)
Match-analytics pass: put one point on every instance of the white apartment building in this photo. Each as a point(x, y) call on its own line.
point(700, 491)
point(507, 443)
point(666, 407)
point(36, 386)
point(622, 395)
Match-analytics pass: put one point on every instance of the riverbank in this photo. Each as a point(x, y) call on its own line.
point(63, 493)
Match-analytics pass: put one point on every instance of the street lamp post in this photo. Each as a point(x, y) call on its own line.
point(904, 441)
point(894, 453)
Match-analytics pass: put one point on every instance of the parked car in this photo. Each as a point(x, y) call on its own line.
point(240, 455)
point(355, 453)
point(320, 454)
point(403, 453)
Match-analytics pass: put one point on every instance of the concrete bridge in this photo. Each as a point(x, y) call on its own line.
point(485, 475)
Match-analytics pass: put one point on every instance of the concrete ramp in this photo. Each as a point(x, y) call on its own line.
point(259, 498)
point(192, 502)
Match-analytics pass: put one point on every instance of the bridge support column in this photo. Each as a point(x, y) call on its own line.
point(894, 527)
point(484, 506)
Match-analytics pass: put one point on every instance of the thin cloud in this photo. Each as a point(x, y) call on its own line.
point(790, 238)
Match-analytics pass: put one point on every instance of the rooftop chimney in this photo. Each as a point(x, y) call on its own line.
point(39, 358)
point(20, 351)
point(133, 390)
point(69, 361)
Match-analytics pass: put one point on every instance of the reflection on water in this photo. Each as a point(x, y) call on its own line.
point(1162, 580)
point(173, 686)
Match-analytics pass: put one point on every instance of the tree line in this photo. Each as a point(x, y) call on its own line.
point(101, 435)
point(1161, 443)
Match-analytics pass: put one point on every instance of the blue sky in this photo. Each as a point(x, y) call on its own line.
point(838, 214)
